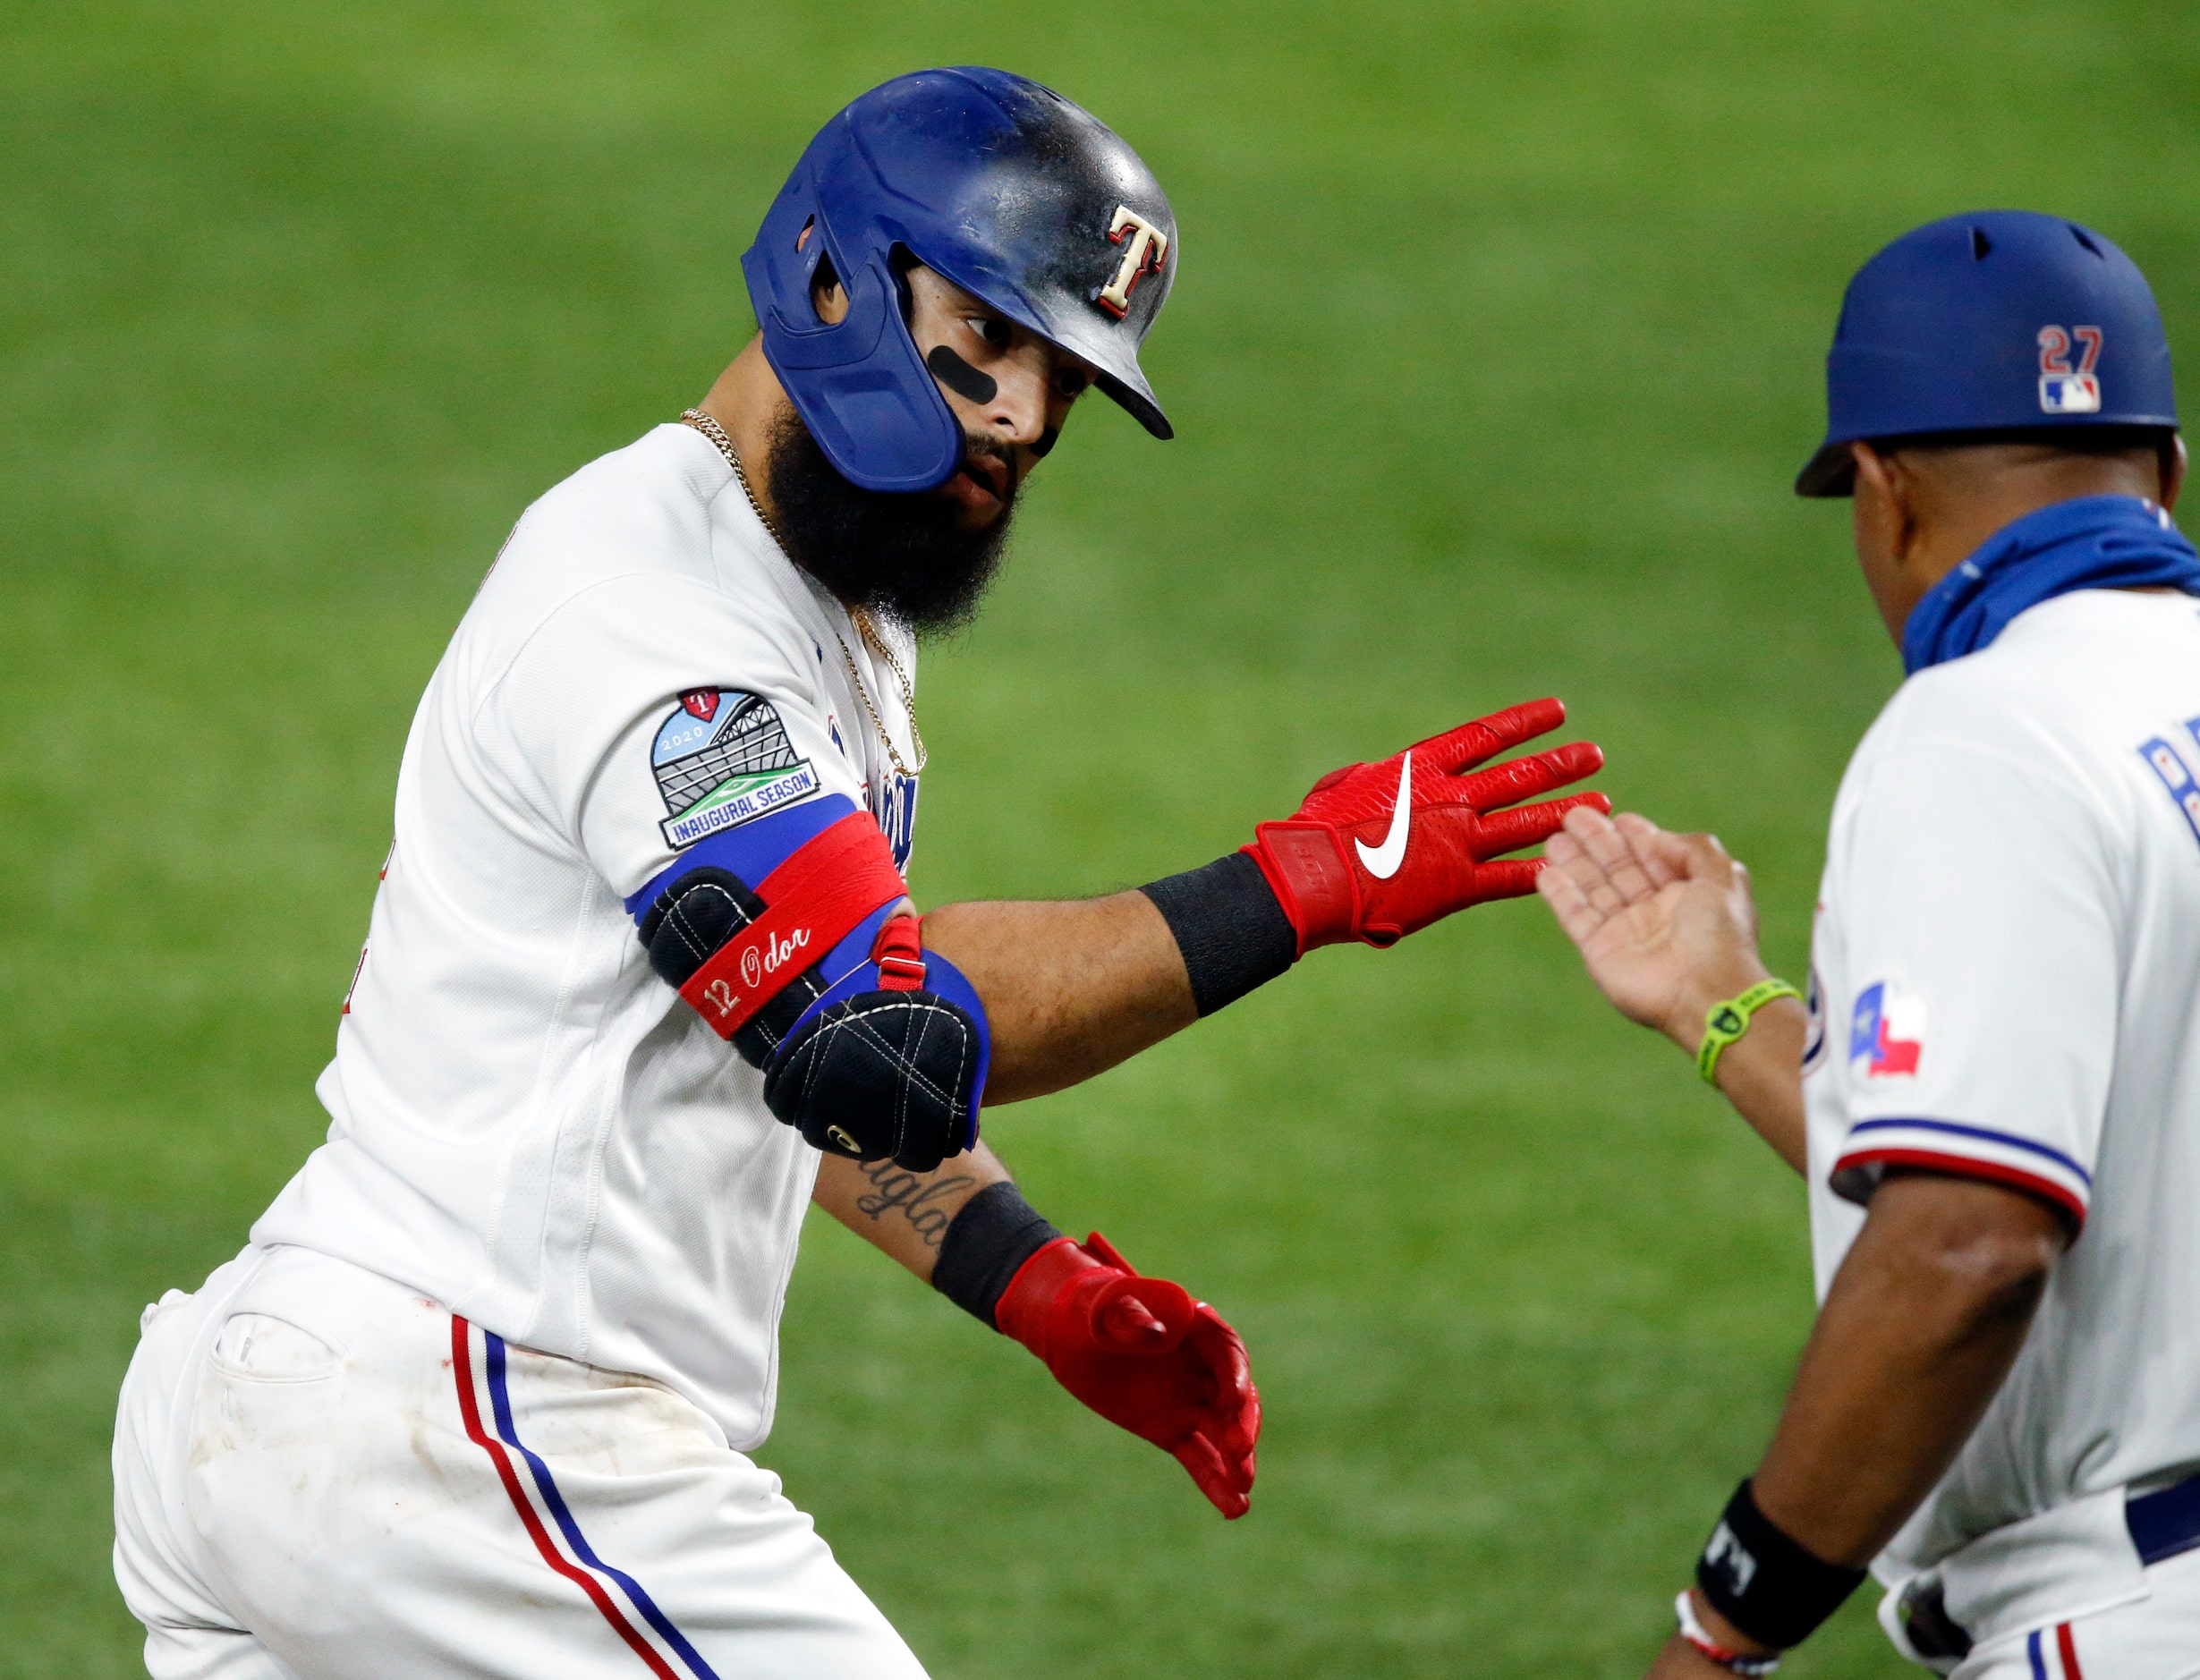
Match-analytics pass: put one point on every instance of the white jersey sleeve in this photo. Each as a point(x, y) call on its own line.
point(1975, 911)
point(650, 716)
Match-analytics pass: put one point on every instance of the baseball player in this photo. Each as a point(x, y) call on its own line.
point(1993, 1088)
point(642, 979)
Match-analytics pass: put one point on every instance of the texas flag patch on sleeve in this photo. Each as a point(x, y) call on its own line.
point(1886, 1031)
point(1886, 1044)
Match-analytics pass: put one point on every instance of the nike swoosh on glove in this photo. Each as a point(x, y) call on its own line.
point(1144, 1355)
point(1380, 851)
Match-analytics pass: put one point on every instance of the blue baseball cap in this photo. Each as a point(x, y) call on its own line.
point(2003, 320)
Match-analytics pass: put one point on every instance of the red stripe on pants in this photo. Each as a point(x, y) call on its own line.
point(2067, 1647)
point(469, 1408)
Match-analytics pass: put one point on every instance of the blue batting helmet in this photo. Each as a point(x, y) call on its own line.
point(2003, 320)
point(1003, 186)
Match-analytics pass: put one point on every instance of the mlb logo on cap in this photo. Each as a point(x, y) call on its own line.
point(2063, 388)
point(2073, 393)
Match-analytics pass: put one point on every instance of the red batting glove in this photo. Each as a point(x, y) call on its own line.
point(1380, 851)
point(1144, 1355)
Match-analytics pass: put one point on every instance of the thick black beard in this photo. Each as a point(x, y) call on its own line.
point(902, 556)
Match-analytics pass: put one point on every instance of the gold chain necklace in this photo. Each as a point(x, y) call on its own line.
point(857, 615)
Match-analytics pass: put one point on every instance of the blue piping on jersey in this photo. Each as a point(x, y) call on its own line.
point(2057, 1155)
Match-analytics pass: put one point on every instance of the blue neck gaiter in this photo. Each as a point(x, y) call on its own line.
point(2096, 542)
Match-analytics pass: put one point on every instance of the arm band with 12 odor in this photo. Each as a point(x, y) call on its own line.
point(870, 1045)
point(1768, 1585)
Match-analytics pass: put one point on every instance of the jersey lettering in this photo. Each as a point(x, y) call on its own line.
point(352, 990)
point(2177, 775)
point(895, 806)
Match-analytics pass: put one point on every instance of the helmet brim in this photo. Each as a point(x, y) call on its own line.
point(1831, 472)
point(1122, 379)
point(1117, 373)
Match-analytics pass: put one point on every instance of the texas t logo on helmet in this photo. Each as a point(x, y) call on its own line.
point(1146, 248)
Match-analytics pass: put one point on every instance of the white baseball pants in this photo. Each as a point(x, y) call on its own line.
point(2154, 1638)
point(319, 1473)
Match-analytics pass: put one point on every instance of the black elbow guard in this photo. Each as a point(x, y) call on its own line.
point(883, 1072)
point(886, 1057)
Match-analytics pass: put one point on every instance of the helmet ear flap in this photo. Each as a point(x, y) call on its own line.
point(862, 390)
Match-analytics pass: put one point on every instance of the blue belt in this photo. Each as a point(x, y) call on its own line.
point(2165, 1522)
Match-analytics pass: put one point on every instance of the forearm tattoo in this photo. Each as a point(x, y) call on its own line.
point(914, 1196)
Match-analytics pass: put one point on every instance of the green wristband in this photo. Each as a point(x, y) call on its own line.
point(1727, 1022)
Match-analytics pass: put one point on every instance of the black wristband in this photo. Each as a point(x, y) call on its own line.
point(1233, 933)
point(985, 1244)
point(1765, 1583)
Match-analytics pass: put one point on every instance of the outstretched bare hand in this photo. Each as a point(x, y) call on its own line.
point(1665, 921)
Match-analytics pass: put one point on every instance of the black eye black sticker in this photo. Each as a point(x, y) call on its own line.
point(958, 376)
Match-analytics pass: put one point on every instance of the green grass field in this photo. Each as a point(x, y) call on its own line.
point(1496, 342)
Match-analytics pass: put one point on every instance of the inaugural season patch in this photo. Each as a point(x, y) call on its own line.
point(721, 760)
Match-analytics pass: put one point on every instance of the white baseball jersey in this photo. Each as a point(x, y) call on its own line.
point(527, 1124)
point(2006, 984)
